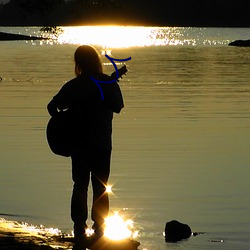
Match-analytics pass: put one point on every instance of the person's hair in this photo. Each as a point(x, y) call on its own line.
point(87, 61)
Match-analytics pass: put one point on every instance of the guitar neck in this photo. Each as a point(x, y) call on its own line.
point(120, 72)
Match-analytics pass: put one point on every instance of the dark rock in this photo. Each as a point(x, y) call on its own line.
point(15, 37)
point(240, 43)
point(176, 231)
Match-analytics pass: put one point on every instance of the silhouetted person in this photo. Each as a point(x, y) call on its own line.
point(92, 128)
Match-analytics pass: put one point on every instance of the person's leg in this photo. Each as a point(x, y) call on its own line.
point(79, 207)
point(99, 178)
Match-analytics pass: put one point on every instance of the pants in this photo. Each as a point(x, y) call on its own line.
point(85, 163)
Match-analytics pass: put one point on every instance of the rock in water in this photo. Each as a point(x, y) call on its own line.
point(176, 231)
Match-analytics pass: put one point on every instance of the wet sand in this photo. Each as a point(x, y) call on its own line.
point(12, 241)
point(14, 235)
point(8, 241)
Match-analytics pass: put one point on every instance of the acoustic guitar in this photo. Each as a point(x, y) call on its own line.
point(60, 127)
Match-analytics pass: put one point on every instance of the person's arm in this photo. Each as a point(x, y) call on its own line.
point(52, 108)
point(60, 101)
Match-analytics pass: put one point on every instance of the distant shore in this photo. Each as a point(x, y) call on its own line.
point(15, 37)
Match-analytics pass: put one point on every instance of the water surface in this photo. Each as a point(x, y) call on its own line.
point(180, 145)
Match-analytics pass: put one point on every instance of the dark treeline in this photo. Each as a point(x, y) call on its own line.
point(218, 13)
point(61, 12)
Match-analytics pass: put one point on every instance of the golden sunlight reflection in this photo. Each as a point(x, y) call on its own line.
point(116, 228)
point(22, 227)
point(89, 232)
point(106, 36)
point(123, 36)
point(109, 189)
point(110, 37)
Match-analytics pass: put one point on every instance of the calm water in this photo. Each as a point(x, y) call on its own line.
point(180, 146)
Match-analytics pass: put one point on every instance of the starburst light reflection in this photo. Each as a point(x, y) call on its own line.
point(116, 228)
point(109, 189)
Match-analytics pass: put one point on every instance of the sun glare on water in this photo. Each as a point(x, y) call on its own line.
point(106, 36)
point(119, 229)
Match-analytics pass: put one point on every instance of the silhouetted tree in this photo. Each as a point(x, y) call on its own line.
point(31, 12)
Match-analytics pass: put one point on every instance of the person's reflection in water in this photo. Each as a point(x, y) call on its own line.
point(92, 123)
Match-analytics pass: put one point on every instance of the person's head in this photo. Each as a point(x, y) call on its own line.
point(87, 61)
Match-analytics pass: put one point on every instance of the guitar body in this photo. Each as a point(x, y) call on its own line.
point(59, 133)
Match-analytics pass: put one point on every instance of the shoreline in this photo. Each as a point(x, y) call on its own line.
point(15, 235)
point(18, 235)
